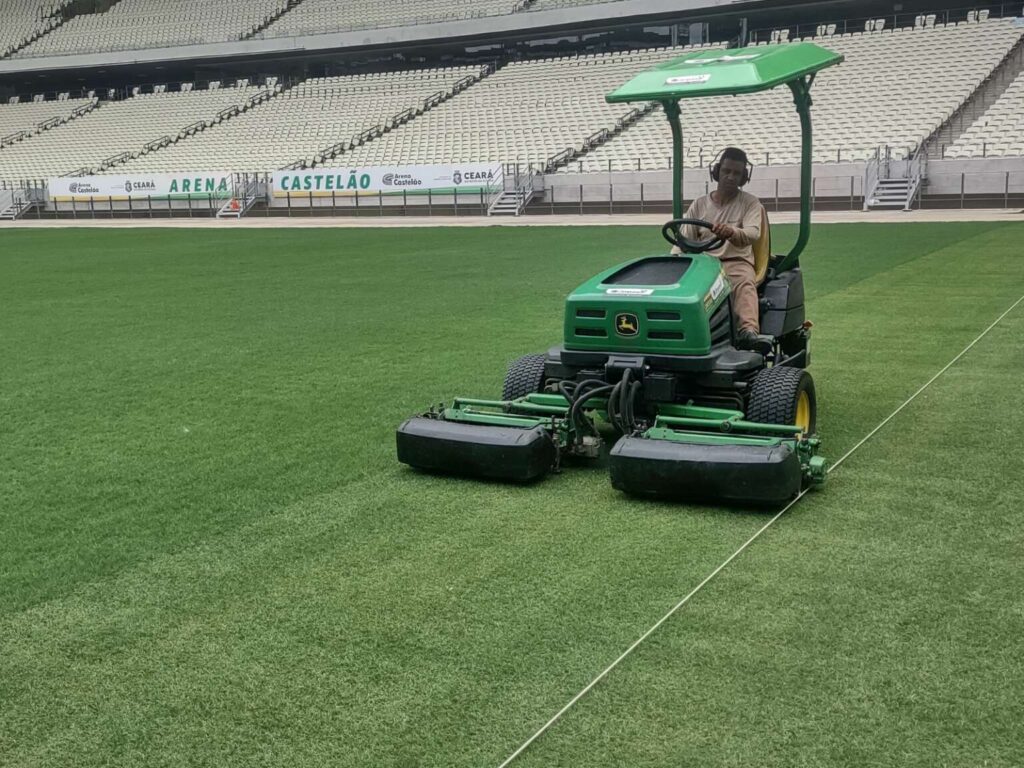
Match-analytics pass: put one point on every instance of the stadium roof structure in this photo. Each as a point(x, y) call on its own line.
point(726, 72)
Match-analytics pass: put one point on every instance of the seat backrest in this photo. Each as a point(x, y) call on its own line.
point(762, 249)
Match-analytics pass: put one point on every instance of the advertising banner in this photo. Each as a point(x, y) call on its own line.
point(157, 186)
point(387, 180)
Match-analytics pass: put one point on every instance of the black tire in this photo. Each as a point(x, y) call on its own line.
point(525, 376)
point(775, 396)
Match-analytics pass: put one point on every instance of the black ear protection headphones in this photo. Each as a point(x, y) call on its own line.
point(716, 165)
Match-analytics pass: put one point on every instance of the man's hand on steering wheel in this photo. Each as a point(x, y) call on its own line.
point(673, 232)
point(724, 230)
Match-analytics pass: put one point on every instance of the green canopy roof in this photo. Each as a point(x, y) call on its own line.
point(724, 72)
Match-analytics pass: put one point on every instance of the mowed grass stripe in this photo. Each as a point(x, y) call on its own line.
point(161, 387)
point(395, 619)
point(880, 625)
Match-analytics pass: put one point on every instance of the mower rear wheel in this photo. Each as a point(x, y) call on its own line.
point(784, 395)
point(525, 376)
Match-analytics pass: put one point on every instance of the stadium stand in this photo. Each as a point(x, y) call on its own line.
point(999, 132)
point(525, 113)
point(546, 5)
point(103, 135)
point(24, 20)
point(309, 118)
point(132, 24)
point(895, 88)
point(313, 16)
point(20, 121)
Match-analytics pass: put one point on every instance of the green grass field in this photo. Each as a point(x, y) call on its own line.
point(209, 556)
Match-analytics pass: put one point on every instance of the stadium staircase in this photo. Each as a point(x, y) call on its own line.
point(245, 196)
point(890, 183)
point(46, 125)
point(984, 96)
point(403, 117)
point(286, 8)
point(599, 138)
point(510, 203)
point(16, 203)
point(270, 92)
point(57, 19)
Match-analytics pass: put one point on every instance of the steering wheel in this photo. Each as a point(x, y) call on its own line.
point(673, 232)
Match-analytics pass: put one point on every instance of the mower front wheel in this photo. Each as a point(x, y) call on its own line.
point(525, 376)
point(784, 395)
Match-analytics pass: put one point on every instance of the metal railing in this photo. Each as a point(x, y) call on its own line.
point(597, 137)
point(559, 158)
point(333, 151)
point(13, 138)
point(871, 176)
point(402, 117)
point(433, 100)
point(407, 21)
point(79, 111)
point(258, 98)
point(917, 172)
point(115, 159)
point(163, 141)
point(370, 133)
point(193, 128)
point(892, 21)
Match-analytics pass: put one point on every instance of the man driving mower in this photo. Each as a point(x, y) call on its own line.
point(737, 217)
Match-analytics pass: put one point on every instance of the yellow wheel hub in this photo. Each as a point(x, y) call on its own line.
point(803, 413)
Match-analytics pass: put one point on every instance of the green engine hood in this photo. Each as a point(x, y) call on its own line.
point(653, 305)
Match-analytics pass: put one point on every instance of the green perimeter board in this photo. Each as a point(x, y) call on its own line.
point(269, 587)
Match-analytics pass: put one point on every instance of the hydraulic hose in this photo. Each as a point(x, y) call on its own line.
point(575, 411)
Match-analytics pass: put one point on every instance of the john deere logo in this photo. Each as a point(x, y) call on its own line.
point(626, 324)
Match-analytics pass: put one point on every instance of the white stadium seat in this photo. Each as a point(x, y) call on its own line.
point(21, 20)
point(132, 24)
point(308, 118)
point(895, 88)
point(114, 128)
point(891, 90)
point(999, 131)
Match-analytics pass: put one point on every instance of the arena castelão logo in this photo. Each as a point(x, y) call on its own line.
point(82, 188)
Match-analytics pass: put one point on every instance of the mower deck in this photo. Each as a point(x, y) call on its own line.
point(685, 452)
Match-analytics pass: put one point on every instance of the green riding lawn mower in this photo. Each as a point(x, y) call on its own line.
point(649, 355)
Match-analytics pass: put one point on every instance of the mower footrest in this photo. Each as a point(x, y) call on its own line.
point(500, 453)
point(758, 475)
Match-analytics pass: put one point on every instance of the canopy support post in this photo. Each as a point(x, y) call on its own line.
point(672, 113)
point(801, 89)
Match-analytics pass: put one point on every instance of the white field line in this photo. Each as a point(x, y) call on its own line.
point(558, 715)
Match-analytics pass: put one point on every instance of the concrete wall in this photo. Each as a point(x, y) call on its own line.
point(990, 176)
point(768, 183)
